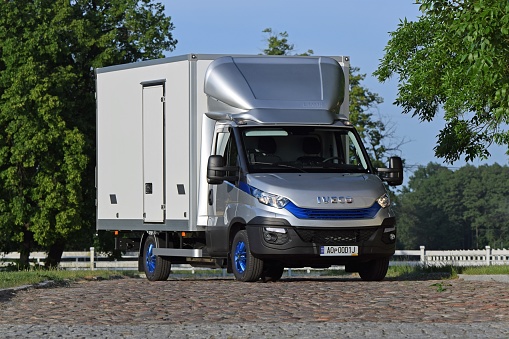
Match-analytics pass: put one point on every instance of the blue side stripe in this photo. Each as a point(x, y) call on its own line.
point(244, 187)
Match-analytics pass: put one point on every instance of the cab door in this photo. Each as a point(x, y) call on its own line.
point(223, 198)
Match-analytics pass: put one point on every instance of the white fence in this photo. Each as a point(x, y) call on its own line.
point(92, 260)
point(78, 260)
point(484, 257)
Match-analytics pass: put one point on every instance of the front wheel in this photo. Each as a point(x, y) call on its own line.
point(156, 268)
point(246, 267)
point(374, 270)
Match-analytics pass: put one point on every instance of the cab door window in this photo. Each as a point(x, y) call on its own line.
point(227, 147)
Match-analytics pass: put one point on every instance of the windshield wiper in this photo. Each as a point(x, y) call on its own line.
point(278, 165)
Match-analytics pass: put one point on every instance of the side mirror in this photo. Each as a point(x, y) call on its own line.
point(394, 174)
point(217, 171)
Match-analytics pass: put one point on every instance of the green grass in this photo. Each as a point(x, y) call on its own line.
point(498, 269)
point(421, 272)
point(446, 271)
point(31, 277)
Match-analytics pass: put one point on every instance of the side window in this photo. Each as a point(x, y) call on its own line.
point(221, 143)
point(355, 154)
point(227, 147)
point(232, 155)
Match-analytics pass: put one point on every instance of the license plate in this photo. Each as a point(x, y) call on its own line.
point(339, 251)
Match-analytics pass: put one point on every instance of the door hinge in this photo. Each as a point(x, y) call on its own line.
point(163, 99)
point(163, 207)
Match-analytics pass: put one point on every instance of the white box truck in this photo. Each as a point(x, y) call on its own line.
point(241, 162)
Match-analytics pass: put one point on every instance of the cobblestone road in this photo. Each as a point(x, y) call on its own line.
point(290, 308)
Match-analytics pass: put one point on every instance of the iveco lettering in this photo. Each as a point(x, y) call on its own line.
point(243, 162)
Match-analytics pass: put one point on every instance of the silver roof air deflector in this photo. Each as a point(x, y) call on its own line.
point(275, 89)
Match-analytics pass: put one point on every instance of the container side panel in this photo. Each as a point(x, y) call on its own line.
point(205, 131)
point(345, 106)
point(119, 151)
point(177, 141)
point(120, 175)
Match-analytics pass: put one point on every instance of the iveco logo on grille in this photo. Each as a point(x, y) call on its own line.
point(334, 200)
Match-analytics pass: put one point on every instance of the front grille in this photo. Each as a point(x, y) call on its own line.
point(336, 237)
point(333, 214)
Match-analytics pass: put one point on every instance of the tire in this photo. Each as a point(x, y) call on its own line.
point(272, 271)
point(245, 266)
point(156, 268)
point(374, 270)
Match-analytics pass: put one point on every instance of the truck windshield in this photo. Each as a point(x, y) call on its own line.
point(303, 149)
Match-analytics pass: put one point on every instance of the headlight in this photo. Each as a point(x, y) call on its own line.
point(269, 199)
point(384, 200)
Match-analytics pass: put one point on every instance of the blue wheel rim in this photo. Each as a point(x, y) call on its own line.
point(151, 259)
point(240, 259)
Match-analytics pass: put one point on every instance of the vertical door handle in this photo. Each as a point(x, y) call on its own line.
point(211, 200)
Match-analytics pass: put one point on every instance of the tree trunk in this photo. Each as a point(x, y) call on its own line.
point(55, 254)
point(24, 253)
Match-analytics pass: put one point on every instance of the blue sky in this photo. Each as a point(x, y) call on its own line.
point(359, 29)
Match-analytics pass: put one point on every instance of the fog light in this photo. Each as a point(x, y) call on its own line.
point(275, 235)
point(389, 235)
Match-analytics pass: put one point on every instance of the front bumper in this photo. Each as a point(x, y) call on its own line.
point(300, 246)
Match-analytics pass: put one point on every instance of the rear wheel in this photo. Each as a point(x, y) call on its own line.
point(245, 266)
point(156, 268)
point(374, 270)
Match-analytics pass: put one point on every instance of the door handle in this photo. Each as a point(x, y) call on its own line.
point(148, 188)
point(211, 200)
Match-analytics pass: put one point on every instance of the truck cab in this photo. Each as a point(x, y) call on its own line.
point(290, 183)
point(301, 196)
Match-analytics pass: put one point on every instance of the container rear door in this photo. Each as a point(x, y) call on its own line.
point(153, 154)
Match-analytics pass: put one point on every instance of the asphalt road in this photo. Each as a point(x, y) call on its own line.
point(291, 308)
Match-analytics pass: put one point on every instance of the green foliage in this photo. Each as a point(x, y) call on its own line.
point(455, 58)
point(374, 132)
point(47, 109)
point(440, 287)
point(464, 209)
point(277, 44)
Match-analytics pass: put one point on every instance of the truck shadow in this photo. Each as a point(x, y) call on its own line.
point(6, 295)
point(324, 279)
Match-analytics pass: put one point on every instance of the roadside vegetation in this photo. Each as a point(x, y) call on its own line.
point(10, 279)
point(441, 272)
point(59, 277)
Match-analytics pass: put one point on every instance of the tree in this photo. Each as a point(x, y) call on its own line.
point(454, 58)
point(462, 209)
point(487, 205)
point(277, 44)
point(427, 210)
point(374, 132)
point(48, 52)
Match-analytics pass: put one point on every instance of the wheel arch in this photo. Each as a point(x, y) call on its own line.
point(144, 237)
point(140, 253)
point(236, 225)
